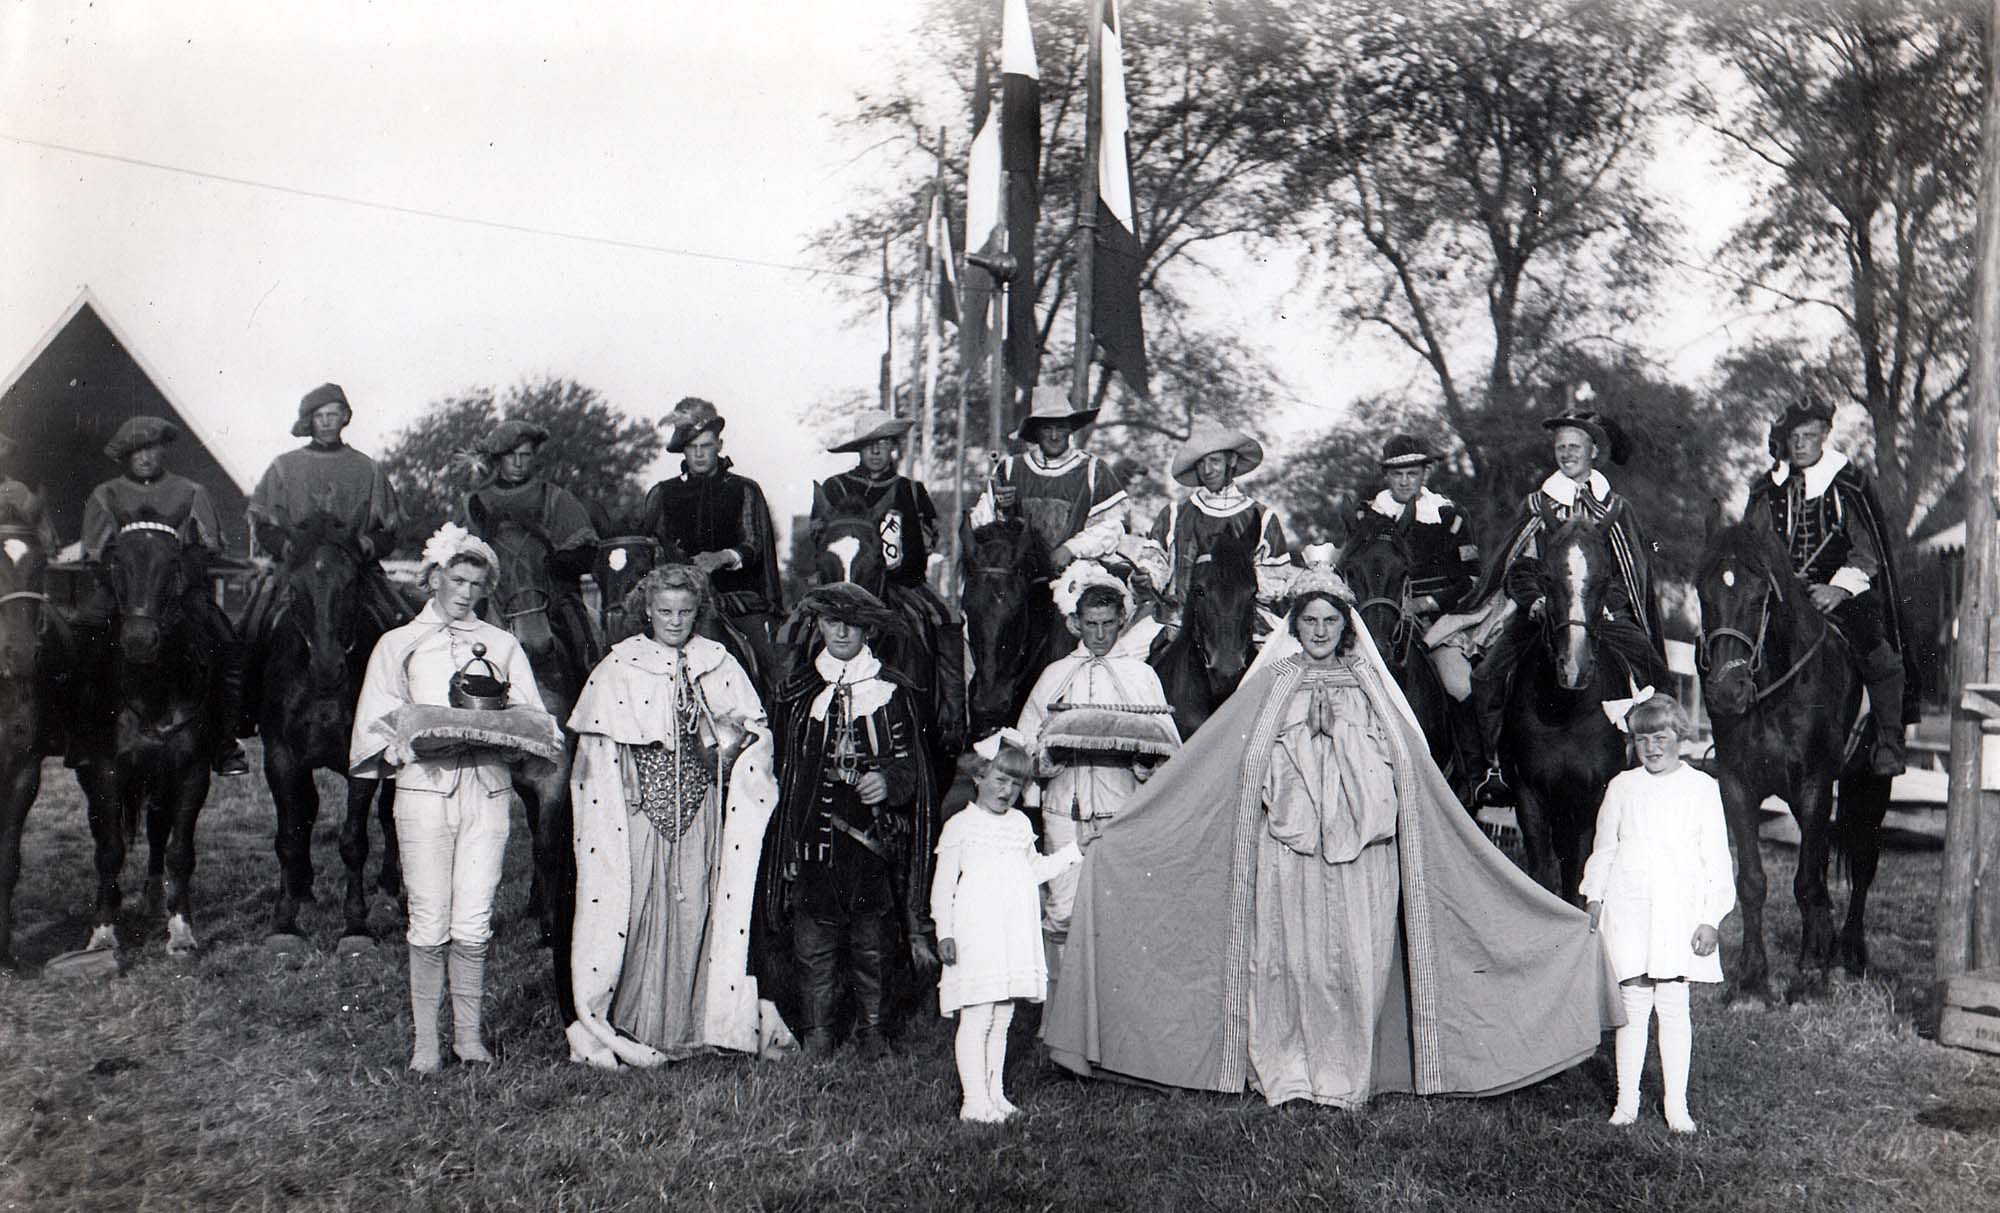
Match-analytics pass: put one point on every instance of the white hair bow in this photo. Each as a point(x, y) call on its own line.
point(988, 747)
point(1616, 710)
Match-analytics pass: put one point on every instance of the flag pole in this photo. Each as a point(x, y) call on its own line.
point(997, 395)
point(888, 385)
point(920, 350)
point(1086, 207)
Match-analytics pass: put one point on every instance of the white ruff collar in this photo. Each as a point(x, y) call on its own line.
point(1070, 458)
point(860, 673)
point(1230, 500)
point(1562, 490)
point(1428, 504)
point(1819, 477)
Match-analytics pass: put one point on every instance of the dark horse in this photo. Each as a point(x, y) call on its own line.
point(1557, 747)
point(1376, 564)
point(152, 765)
point(623, 562)
point(34, 651)
point(320, 634)
point(1201, 666)
point(524, 601)
point(1011, 624)
point(1784, 700)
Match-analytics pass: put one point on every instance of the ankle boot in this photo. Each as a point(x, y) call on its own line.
point(468, 991)
point(426, 993)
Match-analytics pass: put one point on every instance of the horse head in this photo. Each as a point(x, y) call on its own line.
point(1220, 609)
point(524, 583)
point(850, 549)
point(1376, 563)
point(1578, 570)
point(323, 567)
point(22, 564)
point(622, 562)
point(1002, 565)
point(1744, 583)
point(149, 571)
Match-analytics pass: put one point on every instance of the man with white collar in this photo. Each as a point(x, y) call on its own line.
point(1824, 510)
point(1209, 462)
point(1071, 498)
point(1081, 791)
point(1579, 440)
point(1444, 557)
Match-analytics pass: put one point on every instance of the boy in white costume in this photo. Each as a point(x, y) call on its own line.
point(1079, 793)
point(452, 806)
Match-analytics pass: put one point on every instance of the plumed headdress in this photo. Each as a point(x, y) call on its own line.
point(1080, 576)
point(451, 541)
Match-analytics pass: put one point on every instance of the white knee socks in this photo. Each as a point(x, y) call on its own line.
point(426, 992)
point(468, 994)
point(1676, 1048)
point(1628, 1044)
point(975, 1023)
point(996, 1057)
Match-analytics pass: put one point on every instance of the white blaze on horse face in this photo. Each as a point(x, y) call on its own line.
point(1578, 571)
point(15, 549)
point(617, 560)
point(846, 549)
point(1729, 578)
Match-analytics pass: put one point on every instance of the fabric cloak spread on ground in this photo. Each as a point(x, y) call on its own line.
point(734, 1015)
point(1498, 983)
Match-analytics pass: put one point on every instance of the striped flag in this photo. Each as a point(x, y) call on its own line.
point(1115, 280)
point(1021, 158)
point(937, 237)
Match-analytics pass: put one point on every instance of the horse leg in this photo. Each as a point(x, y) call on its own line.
point(1815, 817)
point(297, 803)
point(1753, 977)
point(19, 791)
point(159, 818)
point(539, 907)
point(561, 894)
point(1858, 839)
point(185, 808)
point(105, 808)
point(391, 879)
point(354, 853)
point(1531, 814)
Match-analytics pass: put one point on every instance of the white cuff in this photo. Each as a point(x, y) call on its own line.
point(1851, 579)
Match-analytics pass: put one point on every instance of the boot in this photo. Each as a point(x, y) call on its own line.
point(1882, 670)
point(1489, 709)
point(816, 946)
point(868, 946)
point(229, 756)
point(468, 991)
point(426, 993)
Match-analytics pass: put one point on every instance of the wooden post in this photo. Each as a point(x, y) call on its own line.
point(998, 394)
point(1968, 908)
point(1086, 206)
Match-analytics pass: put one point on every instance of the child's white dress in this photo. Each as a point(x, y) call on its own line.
point(986, 896)
point(1661, 867)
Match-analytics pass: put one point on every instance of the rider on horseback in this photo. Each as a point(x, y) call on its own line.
point(902, 510)
point(515, 493)
point(147, 490)
point(324, 478)
point(1632, 628)
point(1071, 498)
point(20, 500)
point(1209, 462)
point(1444, 556)
point(1824, 509)
point(718, 521)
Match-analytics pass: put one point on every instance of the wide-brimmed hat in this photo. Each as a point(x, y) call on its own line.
point(1050, 404)
point(692, 416)
point(1809, 408)
point(1208, 438)
point(1404, 450)
point(509, 434)
point(315, 400)
point(870, 426)
point(849, 603)
point(139, 433)
point(1586, 420)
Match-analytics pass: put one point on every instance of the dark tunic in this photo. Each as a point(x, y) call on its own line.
point(1517, 568)
point(901, 509)
point(1444, 559)
point(1078, 493)
point(690, 515)
point(1191, 529)
point(337, 481)
point(172, 500)
point(556, 513)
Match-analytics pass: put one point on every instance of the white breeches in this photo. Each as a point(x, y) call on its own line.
point(451, 845)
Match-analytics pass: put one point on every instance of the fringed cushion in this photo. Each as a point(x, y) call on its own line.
point(1111, 728)
point(427, 729)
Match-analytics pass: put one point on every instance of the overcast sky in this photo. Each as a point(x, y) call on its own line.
point(691, 126)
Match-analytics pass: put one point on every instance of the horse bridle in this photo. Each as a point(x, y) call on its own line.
point(285, 614)
point(1705, 648)
point(143, 525)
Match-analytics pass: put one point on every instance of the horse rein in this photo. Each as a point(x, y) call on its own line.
point(1756, 658)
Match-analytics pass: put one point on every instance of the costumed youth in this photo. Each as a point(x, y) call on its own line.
point(453, 796)
point(986, 908)
point(1658, 885)
point(672, 788)
point(856, 816)
point(1296, 903)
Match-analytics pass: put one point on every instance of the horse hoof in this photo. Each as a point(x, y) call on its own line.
point(351, 946)
point(282, 943)
point(87, 965)
point(103, 939)
point(180, 937)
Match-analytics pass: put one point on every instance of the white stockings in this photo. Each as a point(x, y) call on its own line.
point(981, 1050)
point(1670, 999)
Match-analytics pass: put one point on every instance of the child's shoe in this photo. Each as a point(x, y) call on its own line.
point(1624, 1114)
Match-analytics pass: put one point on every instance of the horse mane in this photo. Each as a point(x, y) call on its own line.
point(1753, 544)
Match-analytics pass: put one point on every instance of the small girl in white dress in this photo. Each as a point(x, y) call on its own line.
point(1658, 883)
point(986, 901)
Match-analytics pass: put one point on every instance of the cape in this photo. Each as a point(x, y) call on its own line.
point(1628, 547)
point(605, 718)
point(1501, 983)
point(691, 514)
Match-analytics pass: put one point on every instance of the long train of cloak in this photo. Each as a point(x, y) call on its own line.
point(1498, 984)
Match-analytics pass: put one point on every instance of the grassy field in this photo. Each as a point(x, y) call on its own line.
point(240, 1079)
